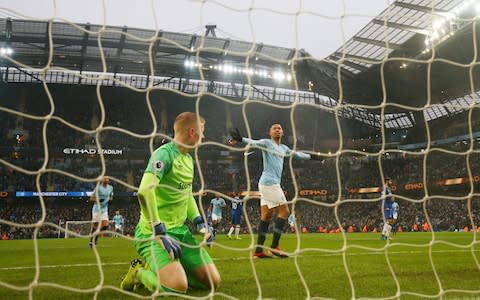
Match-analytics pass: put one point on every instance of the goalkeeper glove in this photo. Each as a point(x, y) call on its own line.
point(202, 228)
point(170, 244)
point(236, 135)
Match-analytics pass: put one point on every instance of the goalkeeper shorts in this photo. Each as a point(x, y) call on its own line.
point(155, 255)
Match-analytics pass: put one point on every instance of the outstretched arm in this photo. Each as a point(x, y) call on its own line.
point(315, 157)
point(304, 156)
point(237, 137)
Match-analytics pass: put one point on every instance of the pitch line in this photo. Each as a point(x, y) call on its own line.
point(229, 258)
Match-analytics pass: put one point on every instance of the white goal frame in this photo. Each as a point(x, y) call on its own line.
point(81, 222)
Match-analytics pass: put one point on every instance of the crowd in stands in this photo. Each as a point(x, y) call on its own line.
point(444, 215)
point(222, 167)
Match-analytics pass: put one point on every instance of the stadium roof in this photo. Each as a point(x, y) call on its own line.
point(127, 50)
point(414, 54)
point(391, 30)
point(390, 61)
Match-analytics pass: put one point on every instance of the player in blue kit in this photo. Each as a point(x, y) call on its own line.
point(101, 196)
point(291, 221)
point(395, 210)
point(387, 196)
point(215, 210)
point(118, 222)
point(272, 196)
point(237, 208)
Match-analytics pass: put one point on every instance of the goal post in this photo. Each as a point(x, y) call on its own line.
point(76, 228)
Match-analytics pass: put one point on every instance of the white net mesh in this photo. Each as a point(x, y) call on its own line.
point(83, 101)
point(78, 228)
point(83, 228)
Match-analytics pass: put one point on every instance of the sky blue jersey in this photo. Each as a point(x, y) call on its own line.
point(104, 194)
point(273, 156)
point(217, 204)
point(395, 207)
point(118, 219)
point(291, 219)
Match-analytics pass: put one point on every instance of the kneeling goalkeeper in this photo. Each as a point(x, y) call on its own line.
point(173, 258)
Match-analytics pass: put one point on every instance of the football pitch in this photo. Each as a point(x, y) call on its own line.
point(325, 266)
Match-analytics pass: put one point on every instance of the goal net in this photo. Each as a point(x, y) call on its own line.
point(84, 228)
point(377, 90)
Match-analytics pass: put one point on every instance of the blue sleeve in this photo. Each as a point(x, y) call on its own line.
point(298, 155)
point(262, 142)
point(302, 155)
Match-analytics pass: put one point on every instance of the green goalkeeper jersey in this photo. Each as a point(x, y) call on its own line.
point(172, 186)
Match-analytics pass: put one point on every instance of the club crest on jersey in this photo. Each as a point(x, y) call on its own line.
point(158, 165)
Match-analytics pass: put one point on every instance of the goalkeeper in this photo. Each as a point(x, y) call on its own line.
point(173, 259)
point(271, 193)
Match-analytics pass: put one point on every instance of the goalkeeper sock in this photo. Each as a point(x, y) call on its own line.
point(277, 231)
point(151, 282)
point(262, 234)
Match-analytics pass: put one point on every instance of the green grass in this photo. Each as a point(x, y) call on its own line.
point(321, 268)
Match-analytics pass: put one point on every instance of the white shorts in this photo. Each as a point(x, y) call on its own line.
point(395, 216)
point(118, 226)
point(271, 195)
point(98, 216)
point(216, 217)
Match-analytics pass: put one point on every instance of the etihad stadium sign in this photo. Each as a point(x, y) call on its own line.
point(93, 151)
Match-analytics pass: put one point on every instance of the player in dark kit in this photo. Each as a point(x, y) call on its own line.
point(387, 208)
point(237, 207)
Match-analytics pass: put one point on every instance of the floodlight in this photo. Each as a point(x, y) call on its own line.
point(279, 76)
point(6, 51)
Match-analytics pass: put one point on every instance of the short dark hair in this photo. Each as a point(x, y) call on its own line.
point(387, 179)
